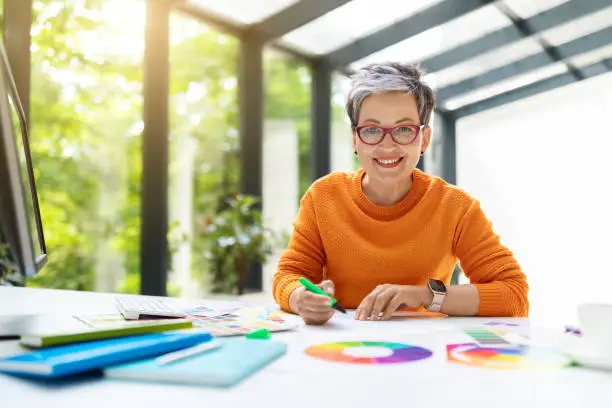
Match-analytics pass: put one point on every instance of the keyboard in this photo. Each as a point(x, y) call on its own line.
point(132, 307)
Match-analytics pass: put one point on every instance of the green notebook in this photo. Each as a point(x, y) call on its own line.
point(57, 339)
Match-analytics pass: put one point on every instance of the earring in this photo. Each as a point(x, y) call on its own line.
point(355, 152)
point(422, 154)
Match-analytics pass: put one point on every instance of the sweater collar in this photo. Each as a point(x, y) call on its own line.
point(410, 200)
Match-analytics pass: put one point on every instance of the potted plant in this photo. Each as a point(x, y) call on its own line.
point(236, 238)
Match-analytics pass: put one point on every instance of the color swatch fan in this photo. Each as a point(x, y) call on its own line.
point(368, 352)
point(520, 357)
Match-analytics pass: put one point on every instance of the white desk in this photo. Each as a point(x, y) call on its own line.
point(296, 381)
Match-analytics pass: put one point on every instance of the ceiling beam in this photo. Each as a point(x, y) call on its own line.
point(545, 20)
point(527, 91)
point(295, 16)
point(233, 28)
point(568, 50)
point(528, 32)
point(415, 24)
point(212, 19)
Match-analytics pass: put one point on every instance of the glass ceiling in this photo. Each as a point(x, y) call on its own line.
point(441, 38)
point(243, 12)
point(358, 19)
point(505, 86)
point(487, 62)
point(354, 20)
point(528, 8)
point(579, 27)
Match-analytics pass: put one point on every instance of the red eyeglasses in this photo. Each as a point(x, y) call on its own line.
point(403, 134)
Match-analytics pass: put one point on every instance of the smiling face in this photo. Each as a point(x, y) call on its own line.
point(390, 161)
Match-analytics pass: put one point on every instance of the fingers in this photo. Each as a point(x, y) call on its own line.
point(328, 287)
point(315, 303)
point(392, 306)
point(317, 318)
point(314, 308)
point(380, 303)
point(364, 310)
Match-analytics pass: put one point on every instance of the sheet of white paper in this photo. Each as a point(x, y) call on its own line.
point(429, 334)
point(397, 325)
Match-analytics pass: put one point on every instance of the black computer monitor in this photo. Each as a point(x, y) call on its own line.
point(20, 221)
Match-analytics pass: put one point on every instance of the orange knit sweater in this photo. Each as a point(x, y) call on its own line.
point(341, 235)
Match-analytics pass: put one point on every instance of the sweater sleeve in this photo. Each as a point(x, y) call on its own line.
point(304, 255)
point(490, 266)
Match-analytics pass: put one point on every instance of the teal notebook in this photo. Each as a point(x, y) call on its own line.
point(235, 360)
point(80, 357)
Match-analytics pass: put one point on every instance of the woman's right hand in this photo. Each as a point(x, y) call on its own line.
point(313, 308)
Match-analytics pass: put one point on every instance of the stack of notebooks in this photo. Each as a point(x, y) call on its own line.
point(160, 351)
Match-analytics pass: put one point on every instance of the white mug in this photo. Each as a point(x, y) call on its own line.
point(596, 327)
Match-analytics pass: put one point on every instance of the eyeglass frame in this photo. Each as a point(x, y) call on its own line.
point(389, 130)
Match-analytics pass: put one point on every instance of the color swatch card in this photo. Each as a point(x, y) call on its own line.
point(519, 357)
point(270, 313)
point(486, 336)
point(235, 360)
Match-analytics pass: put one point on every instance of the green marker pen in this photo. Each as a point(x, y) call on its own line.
point(315, 289)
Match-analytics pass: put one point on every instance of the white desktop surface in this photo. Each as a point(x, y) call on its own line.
point(296, 380)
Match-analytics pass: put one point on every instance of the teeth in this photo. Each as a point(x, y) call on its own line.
point(388, 161)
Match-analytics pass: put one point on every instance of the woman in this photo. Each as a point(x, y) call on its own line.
point(389, 235)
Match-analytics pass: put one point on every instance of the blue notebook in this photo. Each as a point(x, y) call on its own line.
point(235, 360)
point(75, 358)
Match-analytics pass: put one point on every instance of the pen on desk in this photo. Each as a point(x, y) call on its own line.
point(188, 352)
point(315, 289)
point(572, 330)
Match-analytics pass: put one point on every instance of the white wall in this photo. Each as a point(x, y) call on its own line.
point(542, 168)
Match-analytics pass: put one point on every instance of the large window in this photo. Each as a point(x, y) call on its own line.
point(287, 84)
point(342, 157)
point(204, 145)
point(86, 124)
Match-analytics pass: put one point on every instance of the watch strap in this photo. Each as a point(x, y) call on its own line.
point(436, 303)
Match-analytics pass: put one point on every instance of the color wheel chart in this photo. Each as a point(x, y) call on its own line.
point(368, 352)
point(510, 358)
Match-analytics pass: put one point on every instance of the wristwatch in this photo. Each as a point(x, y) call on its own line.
point(438, 288)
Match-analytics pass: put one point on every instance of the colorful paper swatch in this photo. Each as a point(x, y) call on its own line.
point(272, 313)
point(368, 352)
point(519, 357)
point(485, 336)
point(234, 325)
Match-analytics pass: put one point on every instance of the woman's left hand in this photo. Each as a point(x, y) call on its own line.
point(386, 299)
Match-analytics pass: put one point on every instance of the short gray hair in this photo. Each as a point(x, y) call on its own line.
point(390, 77)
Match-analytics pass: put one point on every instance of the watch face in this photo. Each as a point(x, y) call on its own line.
point(437, 285)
